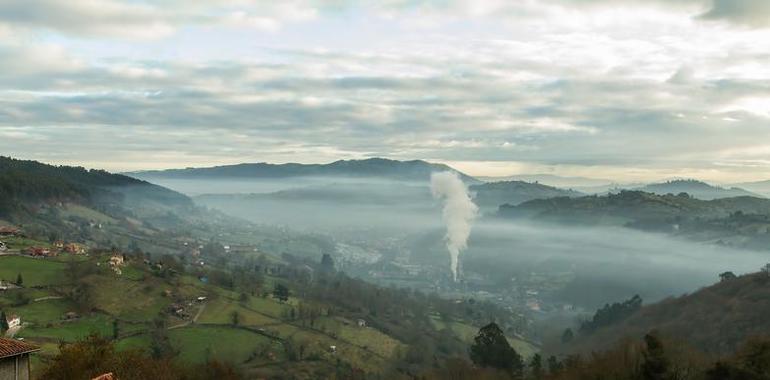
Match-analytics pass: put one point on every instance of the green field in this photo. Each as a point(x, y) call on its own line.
point(136, 342)
point(196, 344)
point(40, 313)
point(35, 272)
point(129, 300)
point(467, 333)
point(70, 331)
point(219, 311)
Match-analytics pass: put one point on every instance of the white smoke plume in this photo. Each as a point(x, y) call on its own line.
point(459, 212)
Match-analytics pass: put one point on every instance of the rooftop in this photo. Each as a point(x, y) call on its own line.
point(11, 347)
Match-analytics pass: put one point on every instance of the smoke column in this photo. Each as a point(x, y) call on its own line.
point(459, 212)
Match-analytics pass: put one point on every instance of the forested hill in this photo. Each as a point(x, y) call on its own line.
point(696, 189)
point(630, 206)
point(494, 194)
point(416, 170)
point(23, 182)
point(715, 319)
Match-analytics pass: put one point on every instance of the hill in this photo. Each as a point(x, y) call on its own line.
point(741, 222)
point(716, 319)
point(697, 189)
point(759, 187)
point(27, 183)
point(416, 170)
point(494, 194)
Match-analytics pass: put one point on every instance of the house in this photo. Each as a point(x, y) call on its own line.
point(3, 247)
point(71, 315)
point(9, 231)
point(13, 321)
point(40, 252)
point(116, 260)
point(201, 299)
point(14, 359)
point(58, 244)
point(75, 248)
point(361, 322)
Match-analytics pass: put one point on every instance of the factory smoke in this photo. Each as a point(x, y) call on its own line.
point(459, 212)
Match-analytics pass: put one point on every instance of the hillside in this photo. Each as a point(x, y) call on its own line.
point(741, 222)
point(25, 183)
point(716, 319)
point(759, 187)
point(416, 170)
point(494, 194)
point(697, 189)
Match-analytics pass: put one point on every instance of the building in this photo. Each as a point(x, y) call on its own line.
point(3, 247)
point(361, 323)
point(13, 321)
point(75, 248)
point(14, 359)
point(9, 231)
point(40, 252)
point(116, 260)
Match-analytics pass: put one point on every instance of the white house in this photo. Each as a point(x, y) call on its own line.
point(361, 323)
point(13, 321)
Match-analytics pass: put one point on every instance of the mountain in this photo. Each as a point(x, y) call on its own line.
point(759, 187)
point(416, 170)
point(494, 194)
point(715, 319)
point(697, 189)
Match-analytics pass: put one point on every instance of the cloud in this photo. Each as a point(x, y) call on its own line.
point(752, 13)
point(105, 18)
point(621, 88)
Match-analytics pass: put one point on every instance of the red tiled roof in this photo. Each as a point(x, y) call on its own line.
point(12, 347)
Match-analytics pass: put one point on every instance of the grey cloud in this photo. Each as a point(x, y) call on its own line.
point(752, 13)
point(91, 18)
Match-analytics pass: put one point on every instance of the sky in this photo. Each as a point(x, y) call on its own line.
point(632, 90)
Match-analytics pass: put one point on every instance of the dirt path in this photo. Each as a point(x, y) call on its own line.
point(47, 298)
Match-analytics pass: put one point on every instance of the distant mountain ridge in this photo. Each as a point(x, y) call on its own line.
point(695, 188)
point(372, 167)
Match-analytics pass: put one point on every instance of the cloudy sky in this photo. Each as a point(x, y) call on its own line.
point(622, 89)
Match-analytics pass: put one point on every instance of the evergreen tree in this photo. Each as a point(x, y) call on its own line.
point(536, 366)
point(281, 292)
point(655, 364)
point(491, 349)
point(554, 366)
point(567, 336)
point(3, 322)
point(19, 280)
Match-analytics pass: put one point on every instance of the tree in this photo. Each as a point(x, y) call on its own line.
point(19, 280)
point(235, 318)
point(554, 366)
point(567, 336)
point(491, 349)
point(536, 366)
point(3, 322)
point(327, 263)
point(115, 329)
point(281, 292)
point(655, 364)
